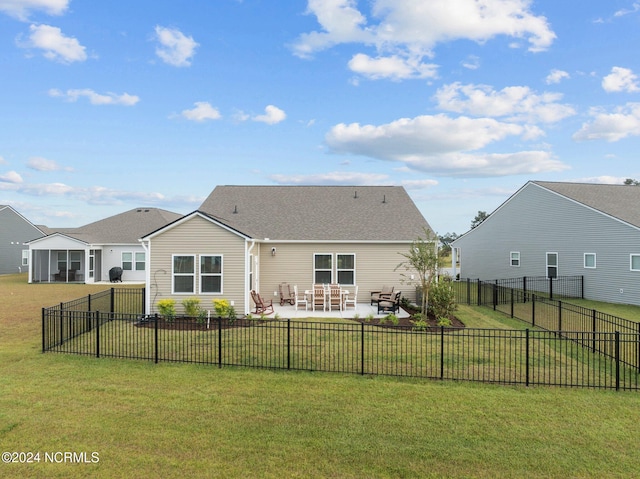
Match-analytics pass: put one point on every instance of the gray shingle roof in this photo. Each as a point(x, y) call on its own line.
point(124, 228)
point(318, 213)
point(620, 201)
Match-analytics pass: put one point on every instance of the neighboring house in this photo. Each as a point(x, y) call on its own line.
point(256, 237)
point(15, 231)
point(561, 229)
point(86, 254)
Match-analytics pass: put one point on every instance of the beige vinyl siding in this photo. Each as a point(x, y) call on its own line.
point(375, 265)
point(198, 236)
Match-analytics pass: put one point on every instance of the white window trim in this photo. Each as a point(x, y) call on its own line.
point(355, 281)
point(25, 257)
point(511, 258)
point(136, 262)
point(221, 274)
point(174, 274)
point(556, 266)
point(122, 260)
point(631, 262)
point(594, 260)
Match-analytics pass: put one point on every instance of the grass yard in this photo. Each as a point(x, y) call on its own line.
point(183, 420)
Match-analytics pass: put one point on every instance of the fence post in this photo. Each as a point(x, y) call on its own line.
point(441, 352)
point(582, 286)
point(533, 310)
point(469, 291)
point(494, 288)
point(479, 292)
point(638, 348)
point(512, 302)
point(527, 357)
point(560, 316)
point(550, 288)
point(144, 299)
point(155, 338)
point(89, 302)
point(288, 343)
point(524, 288)
point(97, 316)
point(113, 300)
point(593, 327)
point(617, 335)
point(219, 342)
point(61, 324)
point(43, 331)
point(362, 348)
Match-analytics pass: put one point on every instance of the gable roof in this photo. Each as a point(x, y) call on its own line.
point(619, 201)
point(317, 213)
point(18, 215)
point(123, 228)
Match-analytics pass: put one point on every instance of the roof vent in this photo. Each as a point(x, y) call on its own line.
point(235, 210)
point(384, 198)
point(355, 194)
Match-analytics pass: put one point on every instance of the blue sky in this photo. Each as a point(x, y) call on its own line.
point(111, 105)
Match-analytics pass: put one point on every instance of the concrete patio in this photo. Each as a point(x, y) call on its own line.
point(362, 310)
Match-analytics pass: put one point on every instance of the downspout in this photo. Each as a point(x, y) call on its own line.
point(248, 267)
point(146, 246)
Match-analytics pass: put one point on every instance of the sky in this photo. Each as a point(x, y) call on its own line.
point(111, 105)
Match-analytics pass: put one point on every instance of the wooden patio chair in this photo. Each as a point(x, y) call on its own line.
point(385, 293)
point(286, 296)
point(335, 297)
point(262, 306)
point(319, 297)
point(300, 300)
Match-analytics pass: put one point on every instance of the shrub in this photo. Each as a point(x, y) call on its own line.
point(420, 324)
point(191, 307)
point(167, 308)
point(442, 300)
point(369, 318)
point(222, 307)
point(393, 319)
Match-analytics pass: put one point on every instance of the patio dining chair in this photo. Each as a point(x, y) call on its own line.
point(351, 299)
point(319, 296)
point(262, 306)
point(335, 297)
point(300, 300)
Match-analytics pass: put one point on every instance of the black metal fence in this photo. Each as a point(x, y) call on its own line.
point(542, 311)
point(526, 357)
point(483, 292)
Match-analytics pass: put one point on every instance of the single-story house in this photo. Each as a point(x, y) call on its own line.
point(15, 231)
point(256, 237)
point(555, 229)
point(86, 254)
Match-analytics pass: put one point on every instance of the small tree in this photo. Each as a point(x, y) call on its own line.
point(422, 260)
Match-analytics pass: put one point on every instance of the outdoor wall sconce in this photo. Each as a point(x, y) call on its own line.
point(273, 251)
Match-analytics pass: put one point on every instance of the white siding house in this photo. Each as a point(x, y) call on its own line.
point(561, 229)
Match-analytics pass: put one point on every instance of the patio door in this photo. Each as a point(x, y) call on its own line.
point(92, 263)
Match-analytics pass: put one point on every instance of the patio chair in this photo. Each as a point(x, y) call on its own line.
point(335, 297)
point(286, 296)
point(351, 299)
point(300, 300)
point(262, 306)
point(319, 297)
point(385, 293)
point(390, 305)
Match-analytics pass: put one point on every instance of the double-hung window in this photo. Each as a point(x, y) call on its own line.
point(25, 257)
point(140, 261)
point(211, 274)
point(322, 268)
point(184, 273)
point(346, 269)
point(515, 258)
point(127, 261)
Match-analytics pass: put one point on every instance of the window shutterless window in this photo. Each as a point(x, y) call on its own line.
point(127, 261)
point(25, 257)
point(322, 268)
point(211, 274)
point(75, 260)
point(346, 268)
point(515, 258)
point(140, 261)
point(589, 260)
point(552, 265)
point(635, 262)
point(184, 273)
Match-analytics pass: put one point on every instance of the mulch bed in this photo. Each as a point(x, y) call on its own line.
point(432, 322)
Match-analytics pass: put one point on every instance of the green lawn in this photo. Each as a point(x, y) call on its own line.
point(181, 420)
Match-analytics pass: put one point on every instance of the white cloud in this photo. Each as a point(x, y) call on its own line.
point(333, 178)
point(21, 9)
point(626, 11)
point(272, 115)
point(201, 112)
point(39, 163)
point(419, 184)
point(11, 177)
point(410, 30)
point(96, 98)
point(442, 145)
point(624, 121)
point(471, 63)
point(392, 67)
point(516, 103)
point(55, 44)
point(175, 48)
point(556, 76)
point(620, 79)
